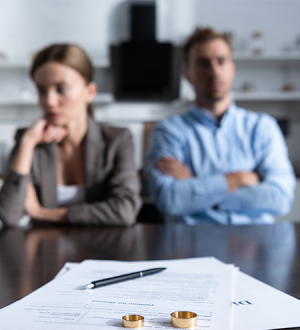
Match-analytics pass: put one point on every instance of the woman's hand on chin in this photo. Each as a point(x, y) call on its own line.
point(44, 132)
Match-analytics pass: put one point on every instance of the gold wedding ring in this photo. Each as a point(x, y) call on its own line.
point(133, 321)
point(184, 319)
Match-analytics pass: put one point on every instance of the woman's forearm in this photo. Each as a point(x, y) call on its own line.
point(23, 158)
point(58, 215)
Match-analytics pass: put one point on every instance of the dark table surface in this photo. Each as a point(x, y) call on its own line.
point(31, 257)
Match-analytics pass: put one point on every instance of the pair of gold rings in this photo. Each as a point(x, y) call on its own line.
point(178, 320)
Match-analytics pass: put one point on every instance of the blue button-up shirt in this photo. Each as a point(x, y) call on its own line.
point(242, 141)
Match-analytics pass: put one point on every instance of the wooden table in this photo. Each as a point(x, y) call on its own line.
point(30, 258)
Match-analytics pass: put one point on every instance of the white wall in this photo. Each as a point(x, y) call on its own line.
point(279, 20)
point(27, 25)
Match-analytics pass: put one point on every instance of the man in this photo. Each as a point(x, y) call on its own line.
point(218, 162)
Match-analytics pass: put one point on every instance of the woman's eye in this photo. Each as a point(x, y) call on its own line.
point(61, 90)
point(41, 91)
point(221, 60)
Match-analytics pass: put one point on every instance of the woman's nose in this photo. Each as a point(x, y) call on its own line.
point(51, 98)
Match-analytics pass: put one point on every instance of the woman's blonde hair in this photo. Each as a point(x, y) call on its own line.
point(67, 54)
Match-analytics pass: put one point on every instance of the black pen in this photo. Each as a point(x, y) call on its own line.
point(121, 278)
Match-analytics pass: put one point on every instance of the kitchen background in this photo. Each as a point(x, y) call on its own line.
point(265, 36)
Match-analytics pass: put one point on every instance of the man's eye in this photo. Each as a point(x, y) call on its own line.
point(203, 63)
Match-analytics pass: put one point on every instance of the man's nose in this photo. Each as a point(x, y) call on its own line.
point(214, 67)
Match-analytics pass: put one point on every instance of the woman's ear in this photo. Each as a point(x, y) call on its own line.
point(91, 91)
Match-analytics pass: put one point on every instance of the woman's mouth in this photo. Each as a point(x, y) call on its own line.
point(52, 115)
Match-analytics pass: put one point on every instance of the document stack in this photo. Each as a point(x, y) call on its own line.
point(222, 297)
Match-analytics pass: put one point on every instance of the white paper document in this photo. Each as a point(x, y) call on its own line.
point(258, 306)
point(199, 285)
point(223, 298)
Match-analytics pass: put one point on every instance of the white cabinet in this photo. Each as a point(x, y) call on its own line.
point(269, 77)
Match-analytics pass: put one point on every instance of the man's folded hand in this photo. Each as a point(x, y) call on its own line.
point(240, 179)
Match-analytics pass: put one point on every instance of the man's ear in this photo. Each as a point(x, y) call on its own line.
point(91, 91)
point(186, 74)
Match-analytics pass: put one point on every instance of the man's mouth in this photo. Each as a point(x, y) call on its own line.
point(216, 85)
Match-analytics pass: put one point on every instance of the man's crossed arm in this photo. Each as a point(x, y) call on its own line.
point(176, 169)
point(239, 191)
point(177, 191)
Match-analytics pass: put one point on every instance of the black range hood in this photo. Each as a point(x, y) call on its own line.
point(144, 69)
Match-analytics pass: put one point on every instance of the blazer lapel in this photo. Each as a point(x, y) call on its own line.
point(48, 159)
point(93, 152)
point(93, 162)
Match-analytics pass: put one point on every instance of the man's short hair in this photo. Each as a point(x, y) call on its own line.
point(201, 35)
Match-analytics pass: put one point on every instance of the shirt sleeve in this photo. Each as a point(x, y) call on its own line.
point(123, 202)
point(275, 193)
point(179, 197)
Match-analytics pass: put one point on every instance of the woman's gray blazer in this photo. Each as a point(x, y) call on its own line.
point(111, 180)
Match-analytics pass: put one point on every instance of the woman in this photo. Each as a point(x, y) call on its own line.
point(67, 168)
